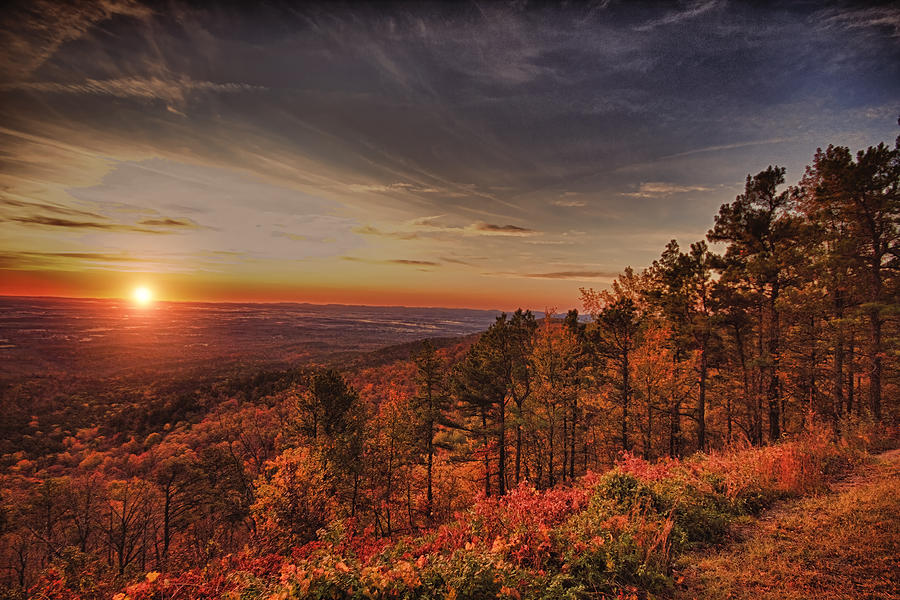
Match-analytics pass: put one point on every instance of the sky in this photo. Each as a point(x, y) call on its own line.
point(487, 155)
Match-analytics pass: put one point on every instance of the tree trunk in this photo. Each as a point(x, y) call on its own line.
point(837, 394)
point(429, 495)
point(876, 366)
point(701, 401)
point(739, 342)
point(675, 413)
point(501, 469)
point(487, 462)
point(760, 370)
point(851, 374)
point(625, 398)
point(551, 476)
point(518, 443)
point(565, 444)
point(572, 439)
point(773, 391)
point(648, 438)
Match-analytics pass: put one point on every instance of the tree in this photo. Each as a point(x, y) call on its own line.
point(480, 384)
point(555, 363)
point(128, 513)
point(617, 318)
point(860, 200)
point(759, 228)
point(293, 499)
point(340, 429)
point(430, 405)
point(682, 287)
point(178, 479)
point(513, 339)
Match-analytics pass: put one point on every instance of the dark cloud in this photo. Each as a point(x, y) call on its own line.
point(32, 32)
point(32, 260)
point(159, 226)
point(168, 222)
point(395, 261)
point(46, 207)
point(490, 228)
point(456, 261)
point(419, 263)
point(171, 91)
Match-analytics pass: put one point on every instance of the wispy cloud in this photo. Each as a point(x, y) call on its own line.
point(152, 226)
point(568, 203)
point(42, 260)
point(395, 261)
point(417, 228)
point(172, 91)
point(34, 32)
point(398, 235)
point(399, 186)
point(679, 16)
point(168, 222)
point(886, 17)
point(48, 207)
point(492, 229)
point(656, 189)
point(578, 275)
point(412, 262)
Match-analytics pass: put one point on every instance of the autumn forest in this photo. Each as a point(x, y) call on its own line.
point(491, 299)
point(560, 455)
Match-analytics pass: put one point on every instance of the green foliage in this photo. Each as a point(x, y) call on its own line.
point(625, 490)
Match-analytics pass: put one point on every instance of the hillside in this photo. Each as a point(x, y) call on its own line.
point(641, 530)
point(844, 543)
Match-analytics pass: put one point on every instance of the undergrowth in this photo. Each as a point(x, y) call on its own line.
point(614, 535)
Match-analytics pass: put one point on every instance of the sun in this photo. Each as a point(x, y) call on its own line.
point(143, 295)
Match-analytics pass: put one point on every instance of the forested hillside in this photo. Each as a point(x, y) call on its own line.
point(753, 365)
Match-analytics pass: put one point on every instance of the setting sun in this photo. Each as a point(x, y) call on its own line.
point(143, 295)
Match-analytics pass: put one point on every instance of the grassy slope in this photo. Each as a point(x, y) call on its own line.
point(839, 545)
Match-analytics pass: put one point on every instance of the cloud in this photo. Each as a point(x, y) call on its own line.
point(456, 261)
point(394, 261)
point(155, 226)
point(655, 189)
point(573, 275)
point(48, 207)
point(26, 260)
point(172, 91)
point(675, 17)
point(420, 263)
point(491, 229)
point(887, 17)
point(398, 235)
point(33, 33)
point(399, 186)
point(562, 202)
point(168, 222)
point(419, 227)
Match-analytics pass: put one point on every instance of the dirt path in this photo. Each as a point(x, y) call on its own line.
point(841, 545)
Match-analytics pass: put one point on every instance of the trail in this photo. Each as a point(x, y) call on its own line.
point(843, 544)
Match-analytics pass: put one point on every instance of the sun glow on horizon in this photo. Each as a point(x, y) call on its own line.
point(142, 295)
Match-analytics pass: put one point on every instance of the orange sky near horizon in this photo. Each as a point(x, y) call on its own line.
point(194, 288)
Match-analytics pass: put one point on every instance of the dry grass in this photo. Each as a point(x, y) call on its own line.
point(844, 545)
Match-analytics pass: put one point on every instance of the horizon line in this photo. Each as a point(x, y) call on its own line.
point(262, 302)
